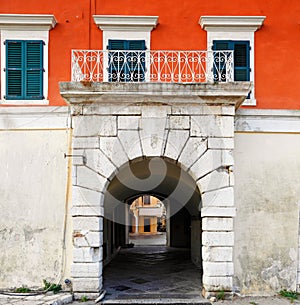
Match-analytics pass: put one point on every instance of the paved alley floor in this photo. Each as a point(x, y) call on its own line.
point(152, 272)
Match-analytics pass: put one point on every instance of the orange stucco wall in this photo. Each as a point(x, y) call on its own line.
point(277, 43)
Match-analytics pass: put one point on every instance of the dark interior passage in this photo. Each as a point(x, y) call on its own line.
point(152, 272)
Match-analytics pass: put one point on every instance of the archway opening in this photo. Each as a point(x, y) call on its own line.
point(147, 221)
point(172, 190)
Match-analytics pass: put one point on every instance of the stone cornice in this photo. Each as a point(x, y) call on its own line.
point(169, 93)
point(27, 22)
point(125, 23)
point(231, 23)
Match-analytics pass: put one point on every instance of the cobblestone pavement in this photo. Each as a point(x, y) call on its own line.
point(41, 299)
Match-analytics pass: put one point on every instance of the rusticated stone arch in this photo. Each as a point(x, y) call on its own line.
point(193, 125)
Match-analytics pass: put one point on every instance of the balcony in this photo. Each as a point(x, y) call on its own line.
point(152, 66)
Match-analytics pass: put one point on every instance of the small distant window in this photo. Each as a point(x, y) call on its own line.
point(126, 66)
point(146, 199)
point(24, 69)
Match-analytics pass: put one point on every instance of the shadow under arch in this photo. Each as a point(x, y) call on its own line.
point(165, 179)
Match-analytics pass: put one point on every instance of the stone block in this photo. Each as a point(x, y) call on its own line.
point(85, 142)
point(90, 179)
point(89, 295)
point(214, 180)
point(215, 269)
point(231, 178)
point(180, 122)
point(217, 224)
point(130, 140)
point(217, 283)
point(217, 254)
point(128, 122)
point(211, 239)
point(209, 161)
point(108, 109)
point(176, 140)
point(93, 126)
point(87, 284)
point(97, 160)
point(87, 254)
point(155, 111)
point(87, 239)
point(221, 197)
point(228, 110)
point(210, 211)
point(212, 126)
point(87, 223)
point(94, 239)
point(191, 109)
point(152, 134)
point(87, 211)
point(193, 149)
point(86, 197)
point(86, 270)
point(113, 150)
point(227, 157)
point(220, 143)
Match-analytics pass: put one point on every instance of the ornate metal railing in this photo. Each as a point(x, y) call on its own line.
point(152, 66)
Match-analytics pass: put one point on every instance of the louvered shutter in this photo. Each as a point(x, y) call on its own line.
point(14, 67)
point(241, 57)
point(220, 58)
point(116, 59)
point(126, 66)
point(34, 70)
point(24, 69)
point(136, 60)
point(241, 61)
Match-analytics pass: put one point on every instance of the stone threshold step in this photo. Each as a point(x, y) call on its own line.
point(157, 301)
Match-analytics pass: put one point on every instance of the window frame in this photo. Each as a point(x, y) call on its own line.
point(235, 28)
point(123, 27)
point(25, 70)
point(231, 47)
point(25, 27)
point(126, 68)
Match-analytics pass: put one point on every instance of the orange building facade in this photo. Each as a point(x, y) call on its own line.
point(179, 30)
point(196, 103)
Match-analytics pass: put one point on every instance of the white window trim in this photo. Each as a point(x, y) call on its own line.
point(234, 28)
point(127, 28)
point(25, 27)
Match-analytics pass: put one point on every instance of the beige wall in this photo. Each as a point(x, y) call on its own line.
point(33, 187)
point(267, 197)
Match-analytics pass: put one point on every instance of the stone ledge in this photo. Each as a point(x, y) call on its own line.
point(171, 93)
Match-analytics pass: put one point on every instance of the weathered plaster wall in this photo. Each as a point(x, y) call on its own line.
point(32, 202)
point(267, 197)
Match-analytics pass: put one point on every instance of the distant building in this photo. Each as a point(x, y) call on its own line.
point(149, 215)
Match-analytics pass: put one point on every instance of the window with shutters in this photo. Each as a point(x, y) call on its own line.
point(24, 44)
point(235, 33)
point(126, 62)
point(24, 69)
point(241, 57)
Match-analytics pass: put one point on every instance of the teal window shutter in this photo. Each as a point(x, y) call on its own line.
point(241, 57)
point(14, 69)
point(126, 66)
point(34, 70)
point(24, 69)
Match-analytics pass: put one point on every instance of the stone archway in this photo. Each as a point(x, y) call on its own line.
point(160, 177)
point(192, 124)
